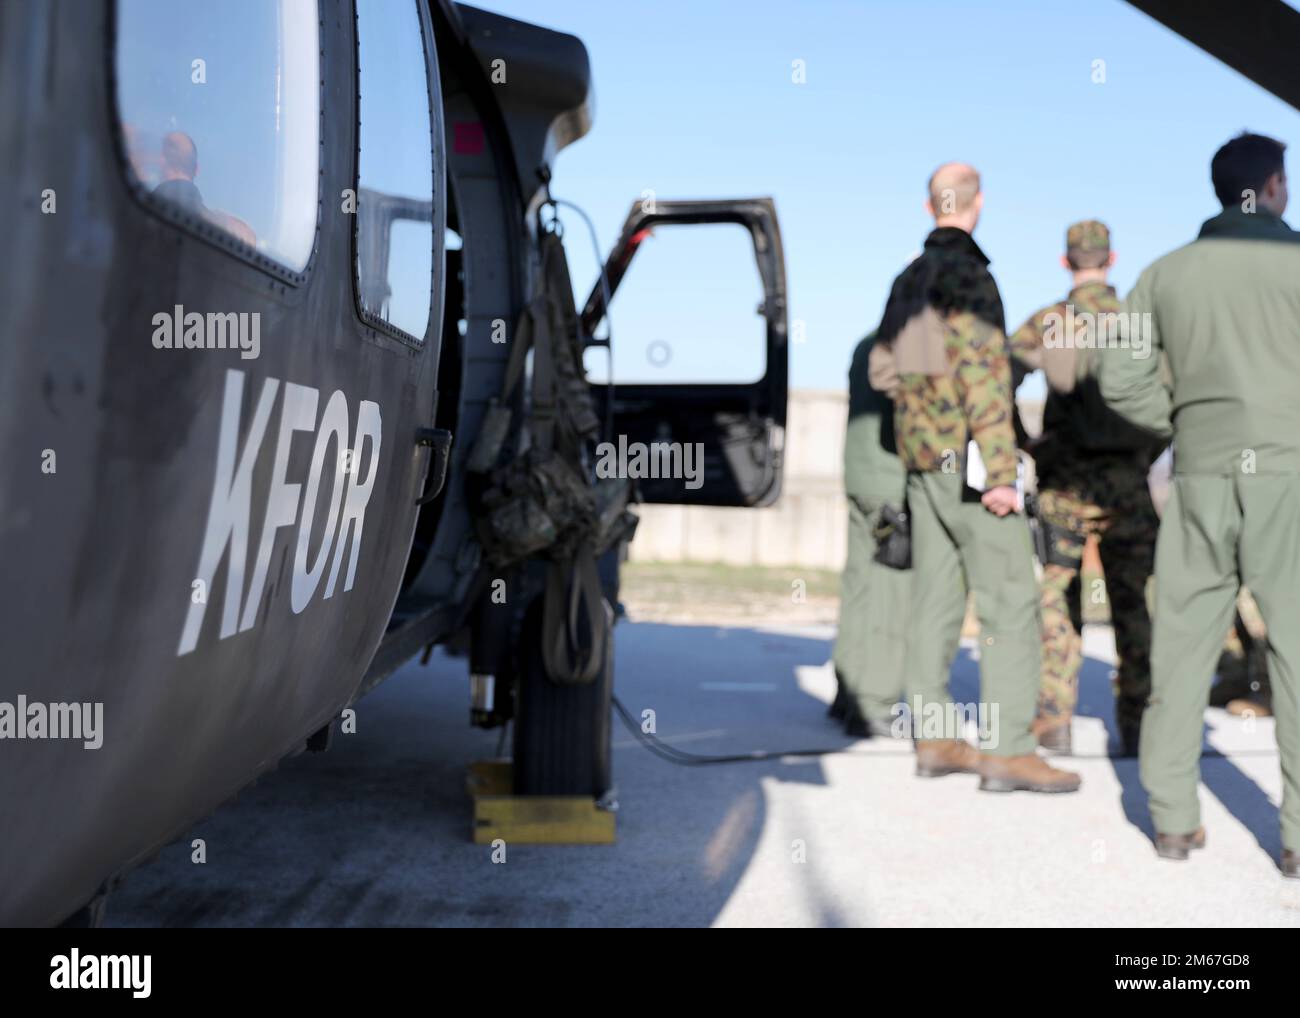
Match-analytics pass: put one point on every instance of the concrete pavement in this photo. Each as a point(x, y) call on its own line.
point(376, 832)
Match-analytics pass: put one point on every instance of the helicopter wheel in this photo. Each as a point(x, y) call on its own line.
point(561, 732)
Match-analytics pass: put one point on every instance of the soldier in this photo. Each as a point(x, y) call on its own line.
point(870, 644)
point(1223, 312)
point(942, 356)
point(1092, 480)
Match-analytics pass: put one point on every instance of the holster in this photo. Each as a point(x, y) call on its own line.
point(893, 534)
point(1048, 537)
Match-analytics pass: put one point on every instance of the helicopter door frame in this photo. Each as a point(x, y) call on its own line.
point(739, 428)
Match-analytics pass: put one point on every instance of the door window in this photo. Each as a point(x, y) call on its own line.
point(688, 310)
point(219, 110)
point(394, 168)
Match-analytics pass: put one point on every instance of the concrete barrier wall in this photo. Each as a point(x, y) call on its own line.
point(808, 525)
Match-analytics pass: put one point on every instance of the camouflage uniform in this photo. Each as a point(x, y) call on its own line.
point(936, 415)
point(1085, 491)
point(949, 374)
point(1104, 496)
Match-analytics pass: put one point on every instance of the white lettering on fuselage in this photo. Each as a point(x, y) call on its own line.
point(230, 511)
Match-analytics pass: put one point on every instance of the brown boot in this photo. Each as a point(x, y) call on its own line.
point(1179, 846)
point(937, 757)
point(1290, 863)
point(1027, 773)
point(1054, 734)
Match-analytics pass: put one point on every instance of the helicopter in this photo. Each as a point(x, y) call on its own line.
point(266, 271)
point(292, 391)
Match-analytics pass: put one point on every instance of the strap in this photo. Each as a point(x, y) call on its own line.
point(574, 652)
point(535, 330)
point(542, 319)
point(518, 351)
point(542, 411)
point(552, 324)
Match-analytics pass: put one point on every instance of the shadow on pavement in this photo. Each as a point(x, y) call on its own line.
point(1240, 794)
point(376, 831)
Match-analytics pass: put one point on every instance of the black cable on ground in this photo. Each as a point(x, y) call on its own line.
point(684, 759)
point(678, 756)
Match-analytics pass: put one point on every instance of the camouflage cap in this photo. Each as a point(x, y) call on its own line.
point(1087, 243)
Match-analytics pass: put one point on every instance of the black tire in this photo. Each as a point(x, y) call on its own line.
point(561, 737)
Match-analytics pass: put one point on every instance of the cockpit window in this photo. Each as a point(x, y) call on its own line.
point(395, 167)
point(219, 109)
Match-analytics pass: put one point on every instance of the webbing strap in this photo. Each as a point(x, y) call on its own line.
point(574, 623)
point(519, 350)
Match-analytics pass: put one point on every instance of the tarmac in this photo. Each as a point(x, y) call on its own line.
point(377, 831)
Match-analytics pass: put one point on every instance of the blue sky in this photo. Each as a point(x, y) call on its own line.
point(694, 98)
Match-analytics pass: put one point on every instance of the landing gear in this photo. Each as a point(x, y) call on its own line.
point(561, 732)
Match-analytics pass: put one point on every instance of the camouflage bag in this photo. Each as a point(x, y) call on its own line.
point(541, 497)
point(543, 500)
point(534, 502)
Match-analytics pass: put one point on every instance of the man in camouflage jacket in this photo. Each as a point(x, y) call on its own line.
point(1092, 481)
point(942, 356)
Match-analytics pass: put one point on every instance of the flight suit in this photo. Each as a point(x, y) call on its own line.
point(870, 645)
point(1243, 685)
point(1223, 312)
point(950, 378)
point(1086, 489)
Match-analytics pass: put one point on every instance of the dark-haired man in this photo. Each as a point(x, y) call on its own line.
point(1225, 313)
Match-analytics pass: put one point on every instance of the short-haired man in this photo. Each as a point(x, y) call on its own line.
point(942, 355)
point(1225, 312)
point(180, 165)
point(1092, 481)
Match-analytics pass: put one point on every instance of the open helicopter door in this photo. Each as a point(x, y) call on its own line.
point(693, 383)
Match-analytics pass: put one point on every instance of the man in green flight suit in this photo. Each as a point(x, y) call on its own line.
point(1224, 313)
point(870, 644)
point(942, 356)
point(1092, 480)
